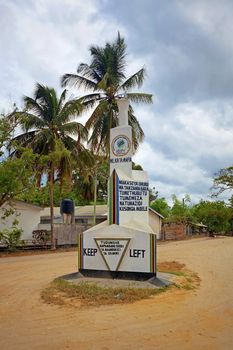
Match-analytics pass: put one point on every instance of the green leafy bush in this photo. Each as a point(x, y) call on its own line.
point(11, 237)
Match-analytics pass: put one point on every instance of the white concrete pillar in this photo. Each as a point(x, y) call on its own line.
point(123, 107)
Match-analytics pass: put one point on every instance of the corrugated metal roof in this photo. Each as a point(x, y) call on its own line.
point(18, 201)
point(86, 210)
point(154, 211)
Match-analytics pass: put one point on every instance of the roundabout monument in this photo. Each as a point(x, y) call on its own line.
point(124, 246)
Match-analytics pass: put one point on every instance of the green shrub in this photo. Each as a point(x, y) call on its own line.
point(11, 237)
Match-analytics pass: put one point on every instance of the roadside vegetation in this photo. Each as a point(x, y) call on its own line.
point(186, 279)
point(62, 292)
point(89, 293)
point(216, 215)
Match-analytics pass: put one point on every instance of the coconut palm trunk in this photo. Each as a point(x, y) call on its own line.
point(51, 198)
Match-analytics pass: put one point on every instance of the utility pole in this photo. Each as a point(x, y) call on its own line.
point(183, 202)
point(95, 196)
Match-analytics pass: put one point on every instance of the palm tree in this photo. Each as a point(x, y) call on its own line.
point(105, 77)
point(48, 126)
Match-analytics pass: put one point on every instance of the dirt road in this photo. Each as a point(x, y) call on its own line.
point(201, 319)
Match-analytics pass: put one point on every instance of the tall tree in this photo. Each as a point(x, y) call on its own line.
point(216, 215)
point(161, 206)
point(105, 78)
point(48, 126)
point(16, 175)
point(223, 181)
point(181, 210)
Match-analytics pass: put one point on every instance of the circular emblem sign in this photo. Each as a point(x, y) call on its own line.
point(120, 145)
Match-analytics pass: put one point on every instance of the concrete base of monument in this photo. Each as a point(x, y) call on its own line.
point(125, 275)
point(118, 251)
point(161, 280)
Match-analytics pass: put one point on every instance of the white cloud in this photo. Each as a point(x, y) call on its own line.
point(213, 17)
point(178, 176)
point(45, 39)
point(185, 147)
point(191, 129)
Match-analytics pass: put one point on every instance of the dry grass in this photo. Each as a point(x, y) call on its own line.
point(166, 266)
point(61, 292)
point(186, 279)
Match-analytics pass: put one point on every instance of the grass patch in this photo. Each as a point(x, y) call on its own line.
point(173, 266)
point(188, 280)
point(188, 286)
point(61, 292)
point(88, 293)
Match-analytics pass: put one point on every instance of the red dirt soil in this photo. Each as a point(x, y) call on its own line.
point(199, 319)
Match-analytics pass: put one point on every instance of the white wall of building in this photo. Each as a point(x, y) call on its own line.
point(155, 223)
point(28, 218)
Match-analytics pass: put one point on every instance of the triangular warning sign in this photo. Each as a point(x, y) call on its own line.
point(112, 251)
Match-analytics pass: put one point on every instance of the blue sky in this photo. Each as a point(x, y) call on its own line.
point(187, 49)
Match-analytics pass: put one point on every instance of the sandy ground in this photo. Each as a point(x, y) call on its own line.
point(201, 319)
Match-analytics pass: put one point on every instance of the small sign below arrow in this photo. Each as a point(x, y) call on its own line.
point(112, 251)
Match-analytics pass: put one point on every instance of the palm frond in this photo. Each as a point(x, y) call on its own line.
point(98, 63)
point(61, 100)
point(70, 143)
point(74, 128)
point(105, 83)
point(78, 81)
point(42, 95)
point(100, 110)
point(29, 121)
point(100, 123)
point(64, 166)
point(136, 79)
point(75, 147)
point(118, 63)
point(88, 72)
point(24, 140)
point(100, 135)
point(43, 142)
point(86, 158)
point(120, 47)
point(48, 101)
point(137, 132)
point(140, 97)
point(33, 122)
point(90, 97)
point(70, 109)
point(32, 106)
point(88, 101)
point(109, 63)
